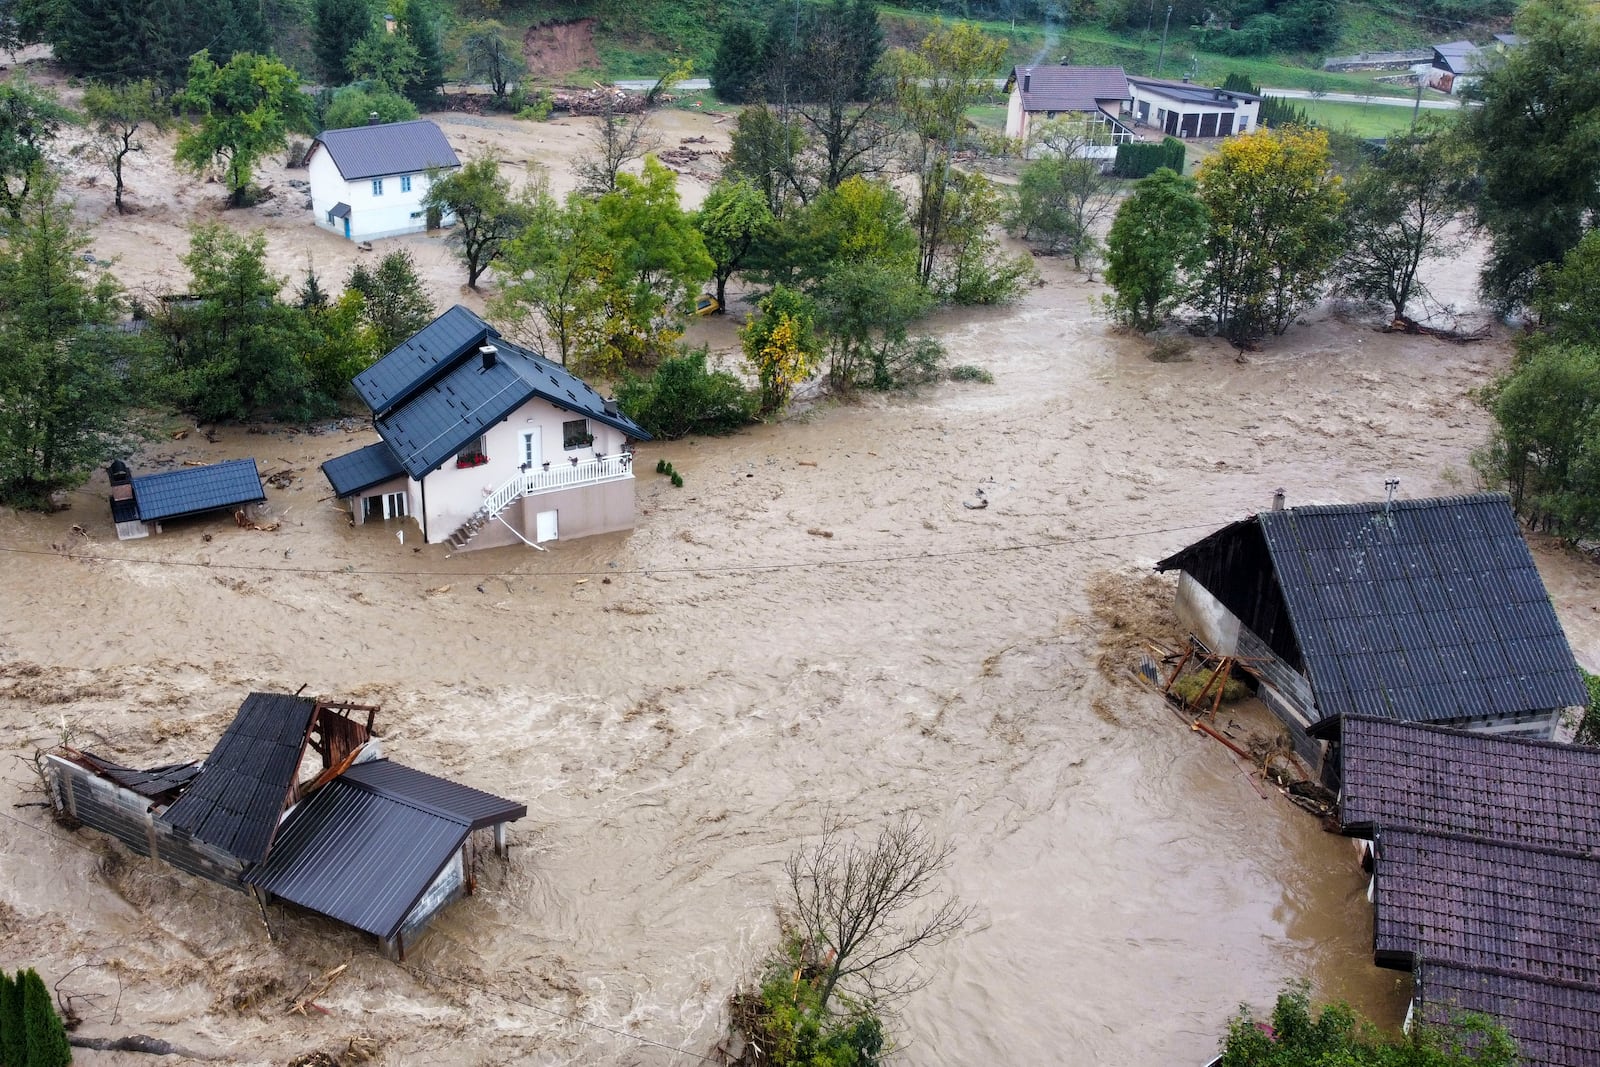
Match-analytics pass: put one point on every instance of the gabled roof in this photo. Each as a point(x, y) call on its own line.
point(433, 395)
point(1064, 88)
point(1486, 904)
point(235, 801)
point(362, 469)
point(1424, 610)
point(1459, 57)
point(192, 490)
point(1188, 93)
point(1402, 775)
point(364, 848)
point(1553, 1022)
point(389, 148)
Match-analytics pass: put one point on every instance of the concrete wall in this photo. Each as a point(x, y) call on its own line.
point(371, 217)
point(453, 494)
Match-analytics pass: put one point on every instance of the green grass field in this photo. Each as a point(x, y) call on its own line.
point(1361, 120)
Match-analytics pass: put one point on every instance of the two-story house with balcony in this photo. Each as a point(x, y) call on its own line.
point(485, 443)
point(370, 181)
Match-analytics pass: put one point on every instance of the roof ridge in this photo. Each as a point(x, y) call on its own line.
point(1492, 842)
point(406, 801)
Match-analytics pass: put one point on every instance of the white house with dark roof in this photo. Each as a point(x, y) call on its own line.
point(369, 181)
point(1182, 109)
point(1097, 96)
point(485, 443)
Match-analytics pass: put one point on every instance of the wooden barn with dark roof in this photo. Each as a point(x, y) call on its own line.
point(1426, 611)
point(1485, 862)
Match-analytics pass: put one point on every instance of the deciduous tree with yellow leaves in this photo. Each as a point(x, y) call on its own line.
point(781, 345)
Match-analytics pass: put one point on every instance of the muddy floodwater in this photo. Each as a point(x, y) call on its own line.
point(815, 622)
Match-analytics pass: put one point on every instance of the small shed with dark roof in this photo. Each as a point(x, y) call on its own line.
point(382, 848)
point(1097, 95)
point(458, 397)
point(371, 181)
point(141, 503)
point(1428, 611)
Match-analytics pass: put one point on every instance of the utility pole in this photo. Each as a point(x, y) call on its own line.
point(1162, 57)
point(1416, 107)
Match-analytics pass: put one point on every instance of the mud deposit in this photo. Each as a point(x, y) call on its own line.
point(680, 705)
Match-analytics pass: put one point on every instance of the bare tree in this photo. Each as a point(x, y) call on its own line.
point(624, 137)
point(866, 908)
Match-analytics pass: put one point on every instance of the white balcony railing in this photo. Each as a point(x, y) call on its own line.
point(558, 474)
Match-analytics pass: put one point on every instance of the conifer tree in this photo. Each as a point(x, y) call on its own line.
point(13, 1037)
point(47, 1038)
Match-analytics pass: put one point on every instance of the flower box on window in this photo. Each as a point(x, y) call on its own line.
point(476, 459)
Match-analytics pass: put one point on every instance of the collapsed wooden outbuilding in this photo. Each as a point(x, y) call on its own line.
point(296, 802)
point(1427, 611)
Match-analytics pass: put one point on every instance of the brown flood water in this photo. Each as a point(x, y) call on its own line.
point(680, 706)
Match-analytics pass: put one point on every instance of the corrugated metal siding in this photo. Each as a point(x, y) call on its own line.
point(236, 800)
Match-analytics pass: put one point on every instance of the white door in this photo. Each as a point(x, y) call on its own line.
point(532, 450)
point(544, 526)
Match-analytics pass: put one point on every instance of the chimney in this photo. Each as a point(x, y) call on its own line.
point(372, 118)
point(388, 24)
point(1027, 80)
point(612, 408)
point(490, 355)
point(1277, 499)
point(118, 473)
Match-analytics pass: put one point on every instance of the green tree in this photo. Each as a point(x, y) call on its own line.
point(394, 302)
point(950, 71)
point(418, 20)
point(487, 213)
point(1337, 1037)
point(781, 345)
point(1063, 194)
point(13, 1031)
point(29, 121)
point(732, 221)
point(683, 397)
point(354, 105)
point(736, 75)
point(336, 26)
point(490, 55)
point(386, 59)
point(116, 115)
point(764, 151)
point(247, 108)
point(548, 271)
point(1567, 297)
point(1545, 448)
point(238, 351)
point(973, 268)
point(120, 40)
point(1401, 212)
point(341, 344)
point(1537, 140)
point(1589, 724)
point(47, 1038)
point(1274, 208)
point(62, 401)
point(1156, 244)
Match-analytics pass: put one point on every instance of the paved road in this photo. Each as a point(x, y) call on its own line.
point(1430, 103)
point(644, 85)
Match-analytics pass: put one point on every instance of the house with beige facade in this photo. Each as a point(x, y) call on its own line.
point(484, 443)
point(1096, 97)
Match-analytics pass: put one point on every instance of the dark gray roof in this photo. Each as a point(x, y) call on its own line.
point(437, 396)
point(192, 490)
point(341, 210)
point(1064, 88)
point(1553, 1022)
point(153, 782)
point(362, 469)
point(1458, 57)
point(1426, 611)
point(235, 801)
point(1486, 904)
point(390, 148)
point(365, 847)
point(1193, 94)
point(427, 353)
point(1402, 775)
